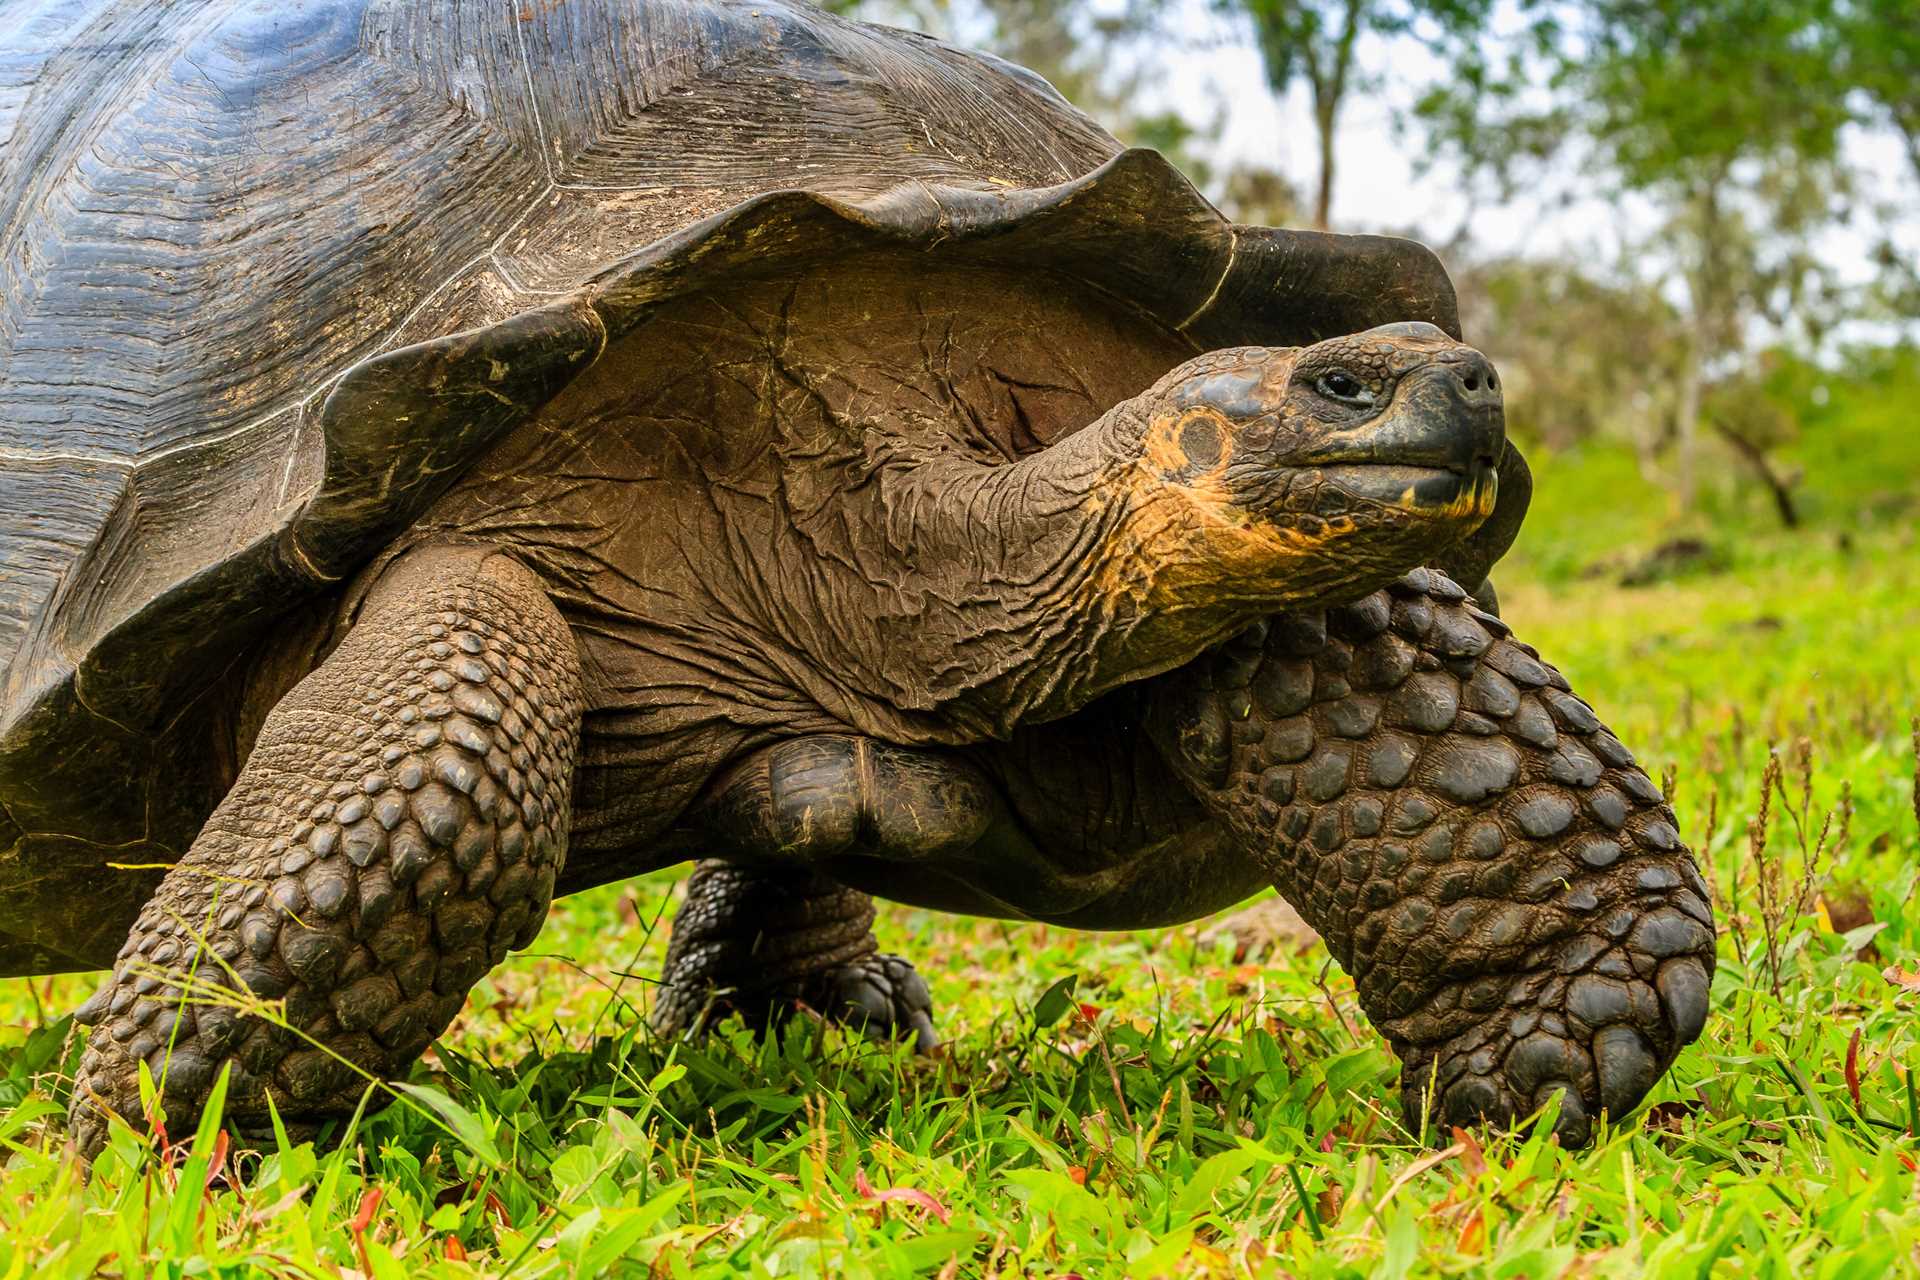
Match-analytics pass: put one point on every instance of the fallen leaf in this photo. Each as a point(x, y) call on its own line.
point(1670, 1115)
point(1473, 1234)
point(1413, 1171)
point(909, 1195)
point(1849, 911)
point(1905, 979)
point(1472, 1158)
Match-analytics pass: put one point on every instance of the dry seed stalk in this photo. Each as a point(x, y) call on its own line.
point(1705, 843)
point(1916, 769)
point(1779, 909)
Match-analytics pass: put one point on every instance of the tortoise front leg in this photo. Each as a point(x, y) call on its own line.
point(394, 832)
point(1506, 887)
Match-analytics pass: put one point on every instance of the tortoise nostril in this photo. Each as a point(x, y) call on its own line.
point(1474, 377)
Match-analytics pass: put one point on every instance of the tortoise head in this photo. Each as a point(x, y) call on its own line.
point(1328, 465)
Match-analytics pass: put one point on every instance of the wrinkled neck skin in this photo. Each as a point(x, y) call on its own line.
point(1083, 566)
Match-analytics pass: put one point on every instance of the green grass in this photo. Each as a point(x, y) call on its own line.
point(1181, 1114)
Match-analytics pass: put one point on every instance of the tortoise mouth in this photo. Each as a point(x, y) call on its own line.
point(1426, 489)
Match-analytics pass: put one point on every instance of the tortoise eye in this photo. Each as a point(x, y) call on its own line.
point(1344, 387)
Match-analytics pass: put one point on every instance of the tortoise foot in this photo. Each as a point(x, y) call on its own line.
point(382, 849)
point(881, 995)
point(1600, 1037)
point(764, 943)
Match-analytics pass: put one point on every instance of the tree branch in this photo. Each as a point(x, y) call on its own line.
point(1756, 458)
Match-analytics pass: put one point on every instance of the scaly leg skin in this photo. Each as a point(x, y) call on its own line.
point(1506, 887)
point(394, 833)
point(762, 941)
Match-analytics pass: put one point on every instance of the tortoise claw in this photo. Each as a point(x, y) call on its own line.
point(1626, 1068)
point(1683, 987)
point(1573, 1129)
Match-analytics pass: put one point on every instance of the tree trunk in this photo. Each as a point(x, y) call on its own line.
point(1687, 414)
point(1707, 292)
point(1324, 117)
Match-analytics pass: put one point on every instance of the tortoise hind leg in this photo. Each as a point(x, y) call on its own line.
point(761, 941)
point(394, 832)
point(775, 928)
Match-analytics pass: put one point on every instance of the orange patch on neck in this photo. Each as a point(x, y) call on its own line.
point(1182, 539)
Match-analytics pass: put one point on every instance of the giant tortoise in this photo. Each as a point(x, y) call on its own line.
point(458, 454)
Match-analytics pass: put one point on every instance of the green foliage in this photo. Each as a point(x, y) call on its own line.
point(1665, 96)
point(1681, 90)
point(1104, 60)
point(1145, 1104)
point(1878, 46)
point(1851, 450)
point(1594, 361)
point(1727, 116)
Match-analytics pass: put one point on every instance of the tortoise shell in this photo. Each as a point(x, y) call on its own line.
point(272, 273)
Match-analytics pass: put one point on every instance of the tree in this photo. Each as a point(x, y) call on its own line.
point(1083, 53)
point(1320, 42)
point(1723, 115)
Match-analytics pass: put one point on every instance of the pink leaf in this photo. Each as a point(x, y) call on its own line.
point(908, 1195)
point(217, 1165)
point(1853, 1068)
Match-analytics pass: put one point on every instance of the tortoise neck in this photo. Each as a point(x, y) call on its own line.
point(1074, 571)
